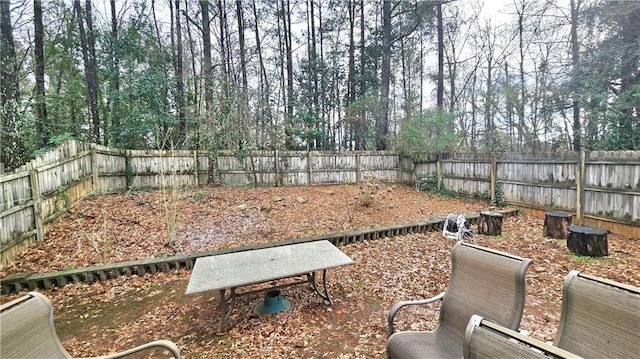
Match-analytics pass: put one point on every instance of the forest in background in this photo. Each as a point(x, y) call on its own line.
point(411, 76)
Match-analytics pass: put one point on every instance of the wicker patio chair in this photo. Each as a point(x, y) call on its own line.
point(27, 331)
point(486, 340)
point(600, 318)
point(483, 281)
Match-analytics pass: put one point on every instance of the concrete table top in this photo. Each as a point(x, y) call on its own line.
point(238, 269)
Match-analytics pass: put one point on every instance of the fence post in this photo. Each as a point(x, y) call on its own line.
point(309, 168)
point(580, 169)
point(35, 198)
point(358, 179)
point(494, 177)
point(94, 170)
point(439, 172)
point(196, 169)
point(129, 171)
point(276, 161)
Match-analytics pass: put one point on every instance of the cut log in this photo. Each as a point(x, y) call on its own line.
point(556, 224)
point(588, 241)
point(490, 223)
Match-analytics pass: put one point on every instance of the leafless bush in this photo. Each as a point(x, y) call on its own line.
point(369, 188)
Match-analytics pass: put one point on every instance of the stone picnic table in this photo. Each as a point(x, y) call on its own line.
point(228, 272)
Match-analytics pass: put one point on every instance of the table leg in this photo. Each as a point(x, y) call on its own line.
point(226, 306)
point(314, 282)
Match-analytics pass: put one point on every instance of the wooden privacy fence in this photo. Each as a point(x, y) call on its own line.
point(297, 168)
point(38, 192)
point(600, 188)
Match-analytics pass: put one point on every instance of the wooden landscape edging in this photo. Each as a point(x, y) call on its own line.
point(29, 280)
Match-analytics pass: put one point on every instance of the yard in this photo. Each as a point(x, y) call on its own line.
point(119, 313)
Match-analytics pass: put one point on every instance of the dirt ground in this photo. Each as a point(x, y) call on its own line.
point(119, 313)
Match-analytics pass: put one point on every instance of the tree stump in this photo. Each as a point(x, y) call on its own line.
point(490, 223)
point(588, 241)
point(556, 224)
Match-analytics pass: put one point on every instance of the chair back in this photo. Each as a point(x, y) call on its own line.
point(600, 318)
point(484, 282)
point(27, 329)
point(487, 340)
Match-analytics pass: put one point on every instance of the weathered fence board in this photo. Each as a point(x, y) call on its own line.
point(538, 172)
point(111, 172)
point(470, 176)
point(622, 176)
point(14, 191)
point(68, 149)
point(407, 170)
point(539, 196)
point(467, 185)
point(425, 170)
point(539, 183)
point(298, 168)
point(623, 207)
point(612, 186)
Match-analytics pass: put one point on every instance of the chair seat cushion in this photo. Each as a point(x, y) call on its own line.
point(415, 344)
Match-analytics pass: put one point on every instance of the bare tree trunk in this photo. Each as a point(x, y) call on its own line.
point(243, 64)
point(359, 140)
point(421, 78)
point(406, 75)
point(227, 34)
point(155, 21)
point(362, 50)
point(165, 125)
point(314, 71)
point(331, 125)
point(116, 131)
point(286, 19)
point(509, 106)
point(453, 72)
point(282, 92)
point(264, 82)
point(575, 59)
point(351, 88)
point(224, 30)
point(182, 118)
point(382, 119)
point(522, 126)
point(90, 73)
point(440, 89)
point(91, 41)
point(474, 121)
point(223, 48)
point(194, 73)
point(290, 96)
point(206, 68)
point(39, 94)
point(488, 115)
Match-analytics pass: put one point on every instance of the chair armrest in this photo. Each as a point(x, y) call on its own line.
point(172, 347)
point(396, 307)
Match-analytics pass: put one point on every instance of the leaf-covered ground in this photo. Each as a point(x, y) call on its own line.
point(116, 314)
